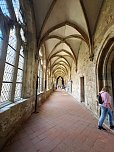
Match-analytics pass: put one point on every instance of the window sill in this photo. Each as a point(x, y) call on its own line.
point(8, 105)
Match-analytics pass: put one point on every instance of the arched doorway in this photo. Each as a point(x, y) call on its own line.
point(106, 67)
point(102, 64)
point(60, 82)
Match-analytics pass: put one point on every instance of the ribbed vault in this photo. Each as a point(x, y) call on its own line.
point(62, 26)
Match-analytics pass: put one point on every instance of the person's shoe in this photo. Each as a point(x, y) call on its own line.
point(112, 127)
point(100, 127)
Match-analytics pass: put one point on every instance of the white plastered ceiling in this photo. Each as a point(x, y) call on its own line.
point(62, 25)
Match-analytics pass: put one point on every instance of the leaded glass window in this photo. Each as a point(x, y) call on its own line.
point(1, 42)
point(47, 80)
point(40, 73)
point(11, 51)
point(19, 80)
point(16, 6)
point(22, 34)
point(9, 67)
point(40, 80)
point(14, 60)
point(38, 91)
point(4, 8)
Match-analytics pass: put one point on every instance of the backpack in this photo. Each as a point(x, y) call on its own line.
point(100, 98)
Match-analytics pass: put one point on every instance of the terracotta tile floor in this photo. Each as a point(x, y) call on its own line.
point(62, 125)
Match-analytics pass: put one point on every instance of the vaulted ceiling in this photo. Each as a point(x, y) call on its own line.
point(62, 25)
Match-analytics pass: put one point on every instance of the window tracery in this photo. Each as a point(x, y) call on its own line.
point(11, 88)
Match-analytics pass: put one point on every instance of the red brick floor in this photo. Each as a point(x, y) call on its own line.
point(62, 125)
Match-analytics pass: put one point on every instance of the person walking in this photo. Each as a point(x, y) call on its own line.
point(106, 108)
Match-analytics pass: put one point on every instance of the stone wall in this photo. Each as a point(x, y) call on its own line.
point(43, 96)
point(86, 69)
point(31, 61)
point(13, 115)
point(103, 35)
point(106, 20)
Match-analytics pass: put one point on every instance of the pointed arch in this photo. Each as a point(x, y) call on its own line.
point(74, 25)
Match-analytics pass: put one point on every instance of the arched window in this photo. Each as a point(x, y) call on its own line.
point(13, 61)
point(9, 67)
point(4, 8)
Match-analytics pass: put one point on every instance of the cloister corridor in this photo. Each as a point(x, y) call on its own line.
point(61, 125)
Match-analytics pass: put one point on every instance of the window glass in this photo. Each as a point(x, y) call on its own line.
point(38, 91)
point(47, 80)
point(11, 51)
point(20, 71)
point(9, 78)
point(6, 92)
point(16, 6)
point(22, 34)
point(1, 42)
point(4, 8)
point(40, 85)
point(40, 73)
point(9, 67)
